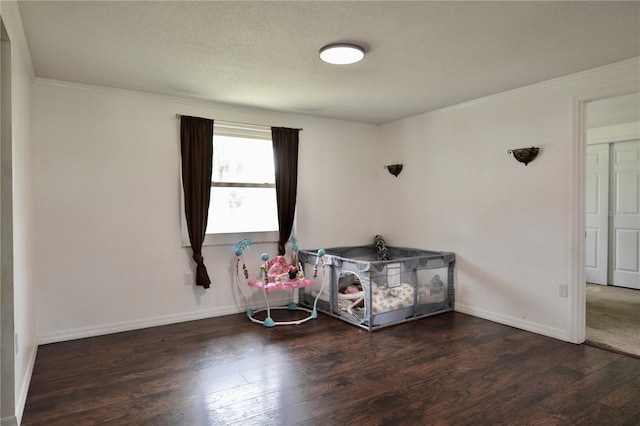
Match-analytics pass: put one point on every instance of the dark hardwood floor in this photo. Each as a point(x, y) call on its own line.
point(450, 369)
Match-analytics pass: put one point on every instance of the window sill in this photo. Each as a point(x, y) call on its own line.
point(232, 239)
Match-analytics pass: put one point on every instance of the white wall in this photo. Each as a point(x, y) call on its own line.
point(23, 207)
point(106, 170)
point(509, 224)
point(107, 207)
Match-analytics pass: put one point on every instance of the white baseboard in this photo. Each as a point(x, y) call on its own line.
point(81, 333)
point(533, 327)
point(21, 399)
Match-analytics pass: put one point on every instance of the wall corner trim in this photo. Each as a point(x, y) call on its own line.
point(21, 399)
point(9, 421)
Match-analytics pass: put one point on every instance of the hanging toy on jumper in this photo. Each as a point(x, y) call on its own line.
point(240, 248)
point(296, 268)
point(320, 257)
point(264, 269)
point(294, 251)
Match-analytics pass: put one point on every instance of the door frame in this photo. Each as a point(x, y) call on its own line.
point(577, 208)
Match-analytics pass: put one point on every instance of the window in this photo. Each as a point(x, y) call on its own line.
point(243, 189)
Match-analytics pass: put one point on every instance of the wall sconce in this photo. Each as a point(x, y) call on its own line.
point(394, 169)
point(524, 155)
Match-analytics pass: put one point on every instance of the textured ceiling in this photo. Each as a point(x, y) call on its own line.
point(421, 56)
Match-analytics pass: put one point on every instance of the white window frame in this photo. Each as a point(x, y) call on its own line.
point(222, 128)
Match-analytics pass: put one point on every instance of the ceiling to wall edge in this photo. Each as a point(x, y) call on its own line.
point(193, 100)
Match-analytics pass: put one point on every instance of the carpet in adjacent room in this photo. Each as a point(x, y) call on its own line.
point(613, 318)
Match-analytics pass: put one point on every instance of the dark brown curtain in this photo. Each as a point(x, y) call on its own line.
point(285, 159)
point(196, 145)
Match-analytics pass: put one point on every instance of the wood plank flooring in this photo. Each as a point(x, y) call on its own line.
point(450, 369)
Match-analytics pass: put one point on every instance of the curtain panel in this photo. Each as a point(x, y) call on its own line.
point(285, 159)
point(196, 146)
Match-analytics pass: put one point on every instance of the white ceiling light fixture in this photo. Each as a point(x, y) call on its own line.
point(341, 53)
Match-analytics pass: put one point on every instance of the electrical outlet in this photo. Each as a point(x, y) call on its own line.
point(188, 278)
point(563, 291)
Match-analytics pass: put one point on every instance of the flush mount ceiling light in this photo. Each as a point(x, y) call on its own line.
point(342, 53)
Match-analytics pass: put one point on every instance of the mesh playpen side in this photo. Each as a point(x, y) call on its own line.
point(372, 294)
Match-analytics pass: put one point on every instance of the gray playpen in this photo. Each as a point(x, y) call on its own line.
point(372, 294)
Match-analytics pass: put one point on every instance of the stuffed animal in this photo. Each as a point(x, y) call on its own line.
point(437, 285)
point(381, 248)
point(278, 266)
point(293, 272)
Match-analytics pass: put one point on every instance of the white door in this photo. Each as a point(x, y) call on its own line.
point(597, 206)
point(625, 214)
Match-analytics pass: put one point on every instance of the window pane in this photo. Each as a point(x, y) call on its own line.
point(242, 160)
point(242, 210)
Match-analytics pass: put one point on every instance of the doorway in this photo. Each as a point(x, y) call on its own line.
point(612, 222)
point(612, 193)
